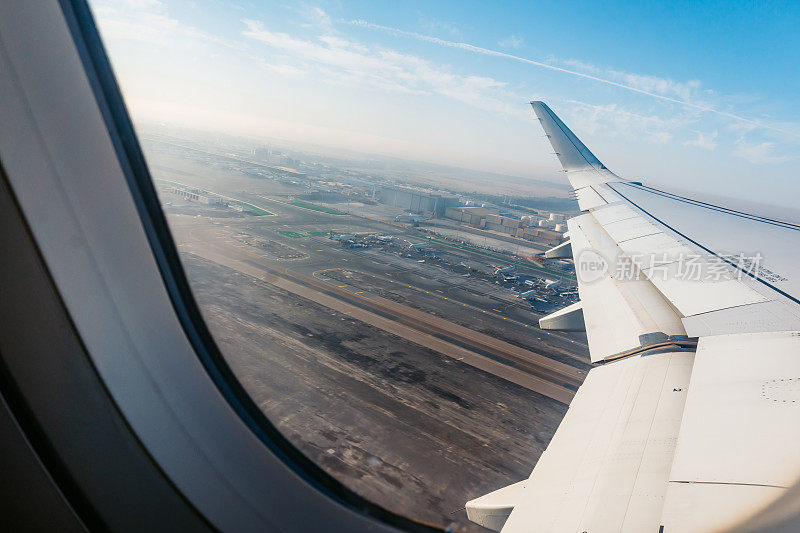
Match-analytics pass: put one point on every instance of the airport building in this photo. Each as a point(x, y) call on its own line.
point(544, 236)
point(274, 157)
point(522, 227)
point(195, 195)
point(474, 216)
point(415, 200)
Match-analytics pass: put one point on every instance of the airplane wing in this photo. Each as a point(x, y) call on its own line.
point(692, 311)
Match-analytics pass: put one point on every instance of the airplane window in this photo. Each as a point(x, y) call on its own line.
point(375, 228)
point(383, 312)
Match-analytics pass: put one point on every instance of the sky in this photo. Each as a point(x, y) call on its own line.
point(691, 96)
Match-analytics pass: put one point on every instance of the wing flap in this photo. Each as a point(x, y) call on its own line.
point(753, 377)
point(698, 508)
point(736, 449)
point(615, 445)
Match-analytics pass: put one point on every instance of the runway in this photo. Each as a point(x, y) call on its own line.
point(517, 365)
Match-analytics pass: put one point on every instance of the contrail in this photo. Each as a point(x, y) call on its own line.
point(485, 51)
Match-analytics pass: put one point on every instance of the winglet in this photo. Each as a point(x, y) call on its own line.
point(572, 153)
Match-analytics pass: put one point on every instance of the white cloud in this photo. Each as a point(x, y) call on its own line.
point(758, 154)
point(785, 133)
point(316, 17)
point(576, 64)
point(432, 25)
point(659, 137)
point(646, 83)
point(284, 69)
point(148, 21)
point(687, 91)
point(741, 128)
point(615, 120)
point(322, 18)
point(663, 89)
point(512, 41)
point(706, 142)
point(142, 4)
point(347, 62)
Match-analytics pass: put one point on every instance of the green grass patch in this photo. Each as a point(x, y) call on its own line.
point(292, 234)
point(313, 207)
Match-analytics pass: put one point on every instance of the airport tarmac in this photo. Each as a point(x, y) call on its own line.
point(416, 387)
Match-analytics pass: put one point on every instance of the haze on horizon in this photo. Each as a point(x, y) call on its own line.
point(688, 97)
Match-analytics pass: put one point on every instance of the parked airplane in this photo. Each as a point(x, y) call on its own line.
point(501, 270)
point(342, 238)
point(411, 217)
point(550, 283)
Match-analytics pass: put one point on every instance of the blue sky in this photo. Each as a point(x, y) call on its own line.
point(682, 95)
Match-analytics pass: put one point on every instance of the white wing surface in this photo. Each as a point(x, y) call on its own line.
point(693, 311)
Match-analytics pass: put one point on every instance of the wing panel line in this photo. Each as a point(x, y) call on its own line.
point(712, 207)
point(764, 282)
